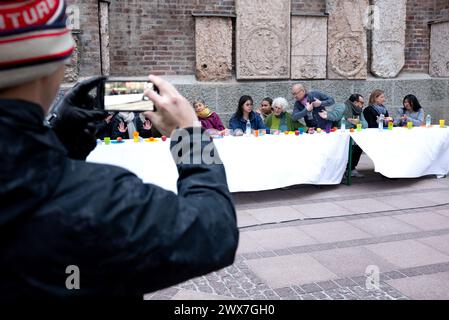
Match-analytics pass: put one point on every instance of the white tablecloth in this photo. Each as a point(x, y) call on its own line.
point(252, 164)
point(406, 153)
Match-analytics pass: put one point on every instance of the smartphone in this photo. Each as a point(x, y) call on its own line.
point(127, 96)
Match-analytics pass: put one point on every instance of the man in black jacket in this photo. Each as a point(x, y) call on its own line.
point(61, 217)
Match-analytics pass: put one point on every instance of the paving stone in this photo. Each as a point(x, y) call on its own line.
point(310, 288)
point(440, 243)
point(318, 210)
point(344, 282)
point(383, 226)
point(408, 253)
point(279, 272)
point(394, 275)
point(425, 220)
point(285, 292)
point(351, 262)
point(365, 205)
point(334, 231)
point(425, 287)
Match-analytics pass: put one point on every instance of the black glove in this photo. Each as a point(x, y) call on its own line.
point(73, 116)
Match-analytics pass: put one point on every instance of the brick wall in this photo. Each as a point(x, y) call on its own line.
point(310, 6)
point(158, 35)
point(442, 9)
point(417, 37)
point(89, 38)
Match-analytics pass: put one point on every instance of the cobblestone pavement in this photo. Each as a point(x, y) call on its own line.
point(318, 243)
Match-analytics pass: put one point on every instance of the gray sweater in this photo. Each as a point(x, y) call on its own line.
point(416, 117)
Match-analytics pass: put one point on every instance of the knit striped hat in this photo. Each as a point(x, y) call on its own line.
point(34, 40)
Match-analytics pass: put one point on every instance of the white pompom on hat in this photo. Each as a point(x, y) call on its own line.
point(34, 40)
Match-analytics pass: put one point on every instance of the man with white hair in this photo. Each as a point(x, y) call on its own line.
point(280, 119)
point(308, 106)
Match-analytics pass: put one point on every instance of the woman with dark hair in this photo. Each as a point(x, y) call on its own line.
point(375, 109)
point(411, 112)
point(244, 114)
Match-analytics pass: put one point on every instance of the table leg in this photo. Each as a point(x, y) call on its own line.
point(349, 178)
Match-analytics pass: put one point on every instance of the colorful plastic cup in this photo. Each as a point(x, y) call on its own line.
point(359, 127)
point(390, 125)
point(256, 133)
point(107, 140)
point(301, 130)
point(409, 125)
point(442, 123)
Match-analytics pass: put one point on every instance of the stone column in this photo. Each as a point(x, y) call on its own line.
point(309, 47)
point(347, 46)
point(104, 37)
point(72, 71)
point(388, 38)
point(439, 49)
point(213, 48)
point(263, 39)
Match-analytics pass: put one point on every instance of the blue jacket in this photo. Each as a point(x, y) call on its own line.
point(313, 119)
point(240, 123)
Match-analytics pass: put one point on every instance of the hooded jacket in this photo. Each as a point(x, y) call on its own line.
point(127, 238)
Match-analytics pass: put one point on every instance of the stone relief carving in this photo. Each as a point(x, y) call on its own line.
point(213, 41)
point(439, 50)
point(309, 47)
point(388, 40)
point(263, 39)
point(347, 46)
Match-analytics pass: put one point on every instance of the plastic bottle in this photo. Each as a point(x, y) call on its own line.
point(343, 125)
point(428, 121)
point(381, 122)
point(248, 128)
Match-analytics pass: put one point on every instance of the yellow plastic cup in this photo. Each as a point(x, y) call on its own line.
point(390, 125)
point(409, 124)
point(442, 123)
point(359, 127)
point(107, 140)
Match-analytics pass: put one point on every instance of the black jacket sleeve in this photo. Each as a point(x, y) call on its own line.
point(370, 116)
point(147, 238)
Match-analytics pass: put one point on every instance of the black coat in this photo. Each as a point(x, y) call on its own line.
point(115, 132)
point(371, 115)
point(127, 238)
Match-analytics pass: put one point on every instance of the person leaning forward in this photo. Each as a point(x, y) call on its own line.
point(125, 237)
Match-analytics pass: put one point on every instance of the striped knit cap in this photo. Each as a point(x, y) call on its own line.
point(34, 40)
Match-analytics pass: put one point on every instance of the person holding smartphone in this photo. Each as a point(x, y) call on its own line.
point(59, 213)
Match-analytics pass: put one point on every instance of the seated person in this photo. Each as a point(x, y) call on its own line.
point(280, 119)
point(309, 104)
point(124, 124)
point(265, 109)
point(351, 110)
point(375, 109)
point(103, 127)
point(244, 114)
point(208, 118)
point(411, 112)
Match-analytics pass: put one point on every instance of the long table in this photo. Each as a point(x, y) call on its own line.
point(272, 162)
point(406, 153)
point(251, 163)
